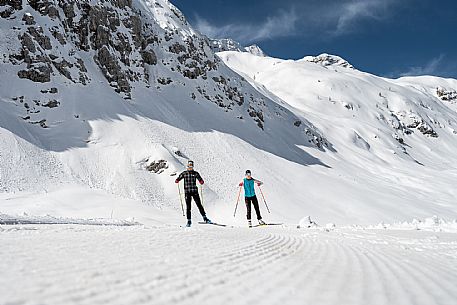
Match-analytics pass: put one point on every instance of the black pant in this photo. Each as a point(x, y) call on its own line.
point(197, 200)
point(255, 203)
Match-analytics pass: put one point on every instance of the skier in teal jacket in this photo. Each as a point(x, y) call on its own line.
point(250, 197)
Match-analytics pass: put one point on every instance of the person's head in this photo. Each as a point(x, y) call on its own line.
point(248, 173)
point(190, 165)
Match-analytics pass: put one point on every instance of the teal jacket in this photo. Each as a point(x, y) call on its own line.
point(249, 190)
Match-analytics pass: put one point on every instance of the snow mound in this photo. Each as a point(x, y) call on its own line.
point(434, 224)
point(48, 219)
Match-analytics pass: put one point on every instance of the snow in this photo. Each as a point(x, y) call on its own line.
point(364, 117)
point(48, 219)
point(359, 169)
point(255, 50)
point(213, 265)
point(97, 146)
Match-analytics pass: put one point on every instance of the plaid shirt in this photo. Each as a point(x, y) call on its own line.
point(190, 181)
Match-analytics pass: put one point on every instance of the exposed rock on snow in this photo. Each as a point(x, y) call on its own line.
point(128, 39)
point(157, 166)
point(447, 95)
point(255, 50)
point(8, 7)
point(328, 60)
point(223, 45)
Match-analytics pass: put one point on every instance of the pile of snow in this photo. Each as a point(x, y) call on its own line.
point(434, 224)
point(49, 219)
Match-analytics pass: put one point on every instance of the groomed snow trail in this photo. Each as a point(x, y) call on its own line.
point(71, 264)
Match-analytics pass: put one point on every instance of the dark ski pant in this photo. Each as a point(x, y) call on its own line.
point(197, 200)
point(255, 203)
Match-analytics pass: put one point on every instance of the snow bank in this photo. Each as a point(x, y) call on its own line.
point(434, 224)
point(48, 219)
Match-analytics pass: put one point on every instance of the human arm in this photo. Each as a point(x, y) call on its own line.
point(180, 177)
point(259, 183)
point(200, 179)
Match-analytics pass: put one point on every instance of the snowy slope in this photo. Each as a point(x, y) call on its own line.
point(95, 95)
point(395, 139)
point(102, 104)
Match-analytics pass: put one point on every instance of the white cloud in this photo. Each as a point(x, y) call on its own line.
point(323, 18)
point(431, 68)
point(282, 25)
point(350, 13)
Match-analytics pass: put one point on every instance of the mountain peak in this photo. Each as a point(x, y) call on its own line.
point(328, 60)
point(228, 44)
point(255, 50)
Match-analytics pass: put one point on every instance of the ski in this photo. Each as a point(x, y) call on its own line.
point(267, 224)
point(212, 223)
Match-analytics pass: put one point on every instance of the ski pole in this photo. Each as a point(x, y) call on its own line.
point(201, 191)
point(237, 200)
point(264, 199)
point(180, 199)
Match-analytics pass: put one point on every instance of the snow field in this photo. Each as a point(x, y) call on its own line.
point(70, 264)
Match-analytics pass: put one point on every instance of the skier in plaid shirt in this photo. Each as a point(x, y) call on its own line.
point(191, 191)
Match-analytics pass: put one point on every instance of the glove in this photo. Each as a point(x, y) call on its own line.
point(259, 183)
point(202, 182)
point(176, 181)
point(241, 184)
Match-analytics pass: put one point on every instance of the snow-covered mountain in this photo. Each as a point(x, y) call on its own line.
point(95, 93)
point(223, 45)
point(395, 139)
point(104, 101)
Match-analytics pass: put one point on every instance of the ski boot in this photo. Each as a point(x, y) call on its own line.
point(262, 223)
point(207, 220)
point(250, 223)
point(189, 223)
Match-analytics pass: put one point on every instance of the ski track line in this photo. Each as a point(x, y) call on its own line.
point(189, 291)
point(387, 278)
point(165, 265)
point(411, 277)
point(405, 280)
point(329, 260)
point(437, 263)
point(413, 286)
point(310, 264)
point(264, 259)
point(417, 273)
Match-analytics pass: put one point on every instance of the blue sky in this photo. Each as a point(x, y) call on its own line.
point(385, 37)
